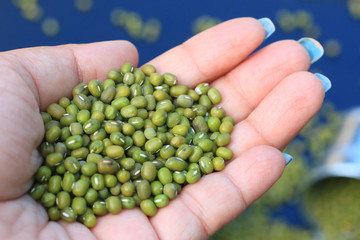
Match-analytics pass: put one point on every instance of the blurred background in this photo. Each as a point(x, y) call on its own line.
point(317, 197)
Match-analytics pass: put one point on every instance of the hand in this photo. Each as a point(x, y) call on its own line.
point(270, 95)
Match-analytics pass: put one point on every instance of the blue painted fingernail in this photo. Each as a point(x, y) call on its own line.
point(325, 81)
point(268, 26)
point(288, 158)
point(313, 47)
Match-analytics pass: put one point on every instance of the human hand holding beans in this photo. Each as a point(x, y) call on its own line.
point(269, 94)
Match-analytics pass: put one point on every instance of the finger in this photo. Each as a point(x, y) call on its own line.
point(129, 224)
point(218, 198)
point(281, 115)
point(52, 72)
point(244, 87)
point(213, 52)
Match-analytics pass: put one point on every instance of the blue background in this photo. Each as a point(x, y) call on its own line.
point(176, 18)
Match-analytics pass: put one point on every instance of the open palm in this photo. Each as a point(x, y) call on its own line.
point(270, 95)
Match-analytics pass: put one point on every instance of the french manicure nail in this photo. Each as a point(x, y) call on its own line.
point(325, 81)
point(288, 158)
point(268, 26)
point(313, 47)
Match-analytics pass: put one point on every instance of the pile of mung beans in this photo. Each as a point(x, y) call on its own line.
point(136, 139)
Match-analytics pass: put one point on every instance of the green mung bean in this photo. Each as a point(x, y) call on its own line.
point(148, 207)
point(134, 140)
point(115, 75)
point(55, 110)
point(127, 202)
point(54, 184)
point(113, 204)
point(99, 208)
point(48, 199)
point(123, 176)
point(68, 214)
point(79, 205)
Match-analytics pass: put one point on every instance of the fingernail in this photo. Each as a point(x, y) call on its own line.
point(268, 26)
point(288, 158)
point(313, 47)
point(325, 81)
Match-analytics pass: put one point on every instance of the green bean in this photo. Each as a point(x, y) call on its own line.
point(54, 184)
point(110, 112)
point(148, 207)
point(95, 88)
point(226, 127)
point(99, 208)
point(143, 189)
point(199, 124)
point(54, 159)
point(225, 153)
point(112, 126)
point(148, 171)
point(110, 180)
point(165, 105)
point(128, 189)
point(37, 191)
point(153, 145)
point(214, 95)
point(196, 154)
point(206, 145)
point(164, 175)
point(206, 165)
point(176, 164)
point(68, 181)
point(115, 75)
point(79, 205)
point(113, 204)
point(80, 188)
point(108, 94)
point(43, 174)
point(179, 177)
point(128, 111)
point(91, 196)
point(103, 193)
point(171, 190)
point(218, 163)
point(46, 117)
point(68, 215)
point(89, 220)
point(55, 110)
point(193, 175)
point(127, 202)
point(116, 190)
point(48, 199)
point(107, 165)
point(148, 69)
point(202, 88)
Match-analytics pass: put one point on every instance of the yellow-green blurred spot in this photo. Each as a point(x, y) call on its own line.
point(303, 18)
point(84, 5)
point(354, 8)
point(286, 20)
point(50, 26)
point(332, 48)
point(204, 22)
point(117, 17)
point(32, 13)
point(133, 24)
point(151, 30)
point(333, 205)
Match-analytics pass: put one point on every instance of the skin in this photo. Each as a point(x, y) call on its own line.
point(270, 95)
